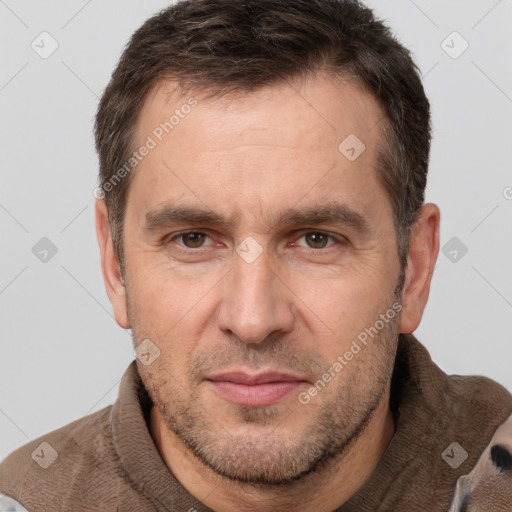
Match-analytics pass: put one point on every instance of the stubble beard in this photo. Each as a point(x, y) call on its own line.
point(273, 455)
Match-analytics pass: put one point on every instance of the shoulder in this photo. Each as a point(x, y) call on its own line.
point(489, 484)
point(47, 464)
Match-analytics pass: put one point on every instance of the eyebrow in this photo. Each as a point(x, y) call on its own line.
point(169, 215)
point(330, 213)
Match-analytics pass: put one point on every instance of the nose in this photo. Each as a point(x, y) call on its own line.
point(255, 302)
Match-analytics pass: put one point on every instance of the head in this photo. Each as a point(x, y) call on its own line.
point(263, 165)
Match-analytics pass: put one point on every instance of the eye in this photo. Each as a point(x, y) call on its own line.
point(316, 240)
point(191, 240)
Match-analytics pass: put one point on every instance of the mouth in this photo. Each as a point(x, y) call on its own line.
point(255, 390)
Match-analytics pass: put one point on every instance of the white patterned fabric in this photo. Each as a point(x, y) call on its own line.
point(9, 505)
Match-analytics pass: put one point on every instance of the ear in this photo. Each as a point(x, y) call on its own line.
point(110, 267)
point(423, 251)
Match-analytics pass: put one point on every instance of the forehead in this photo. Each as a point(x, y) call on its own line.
point(319, 105)
point(316, 136)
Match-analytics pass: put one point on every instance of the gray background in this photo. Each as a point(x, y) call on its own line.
point(62, 354)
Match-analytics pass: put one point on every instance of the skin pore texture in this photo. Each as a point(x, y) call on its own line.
point(253, 244)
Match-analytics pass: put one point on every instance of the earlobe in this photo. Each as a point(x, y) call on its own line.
point(423, 252)
point(114, 282)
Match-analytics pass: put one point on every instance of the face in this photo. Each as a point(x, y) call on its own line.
point(261, 261)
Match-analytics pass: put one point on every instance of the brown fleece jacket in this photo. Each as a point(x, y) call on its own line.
point(107, 461)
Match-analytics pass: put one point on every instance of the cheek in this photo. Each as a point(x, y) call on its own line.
point(162, 304)
point(339, 310)
point(157, 290)
point(170, 309)
point(171, 319)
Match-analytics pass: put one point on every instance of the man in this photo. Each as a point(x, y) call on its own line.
point(263, 233)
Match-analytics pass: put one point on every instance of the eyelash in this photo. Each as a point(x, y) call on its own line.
point(332, 238)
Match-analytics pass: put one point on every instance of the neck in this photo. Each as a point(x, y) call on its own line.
point(321, 491)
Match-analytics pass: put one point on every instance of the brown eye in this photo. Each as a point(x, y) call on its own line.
point(193, 240)
point(317, 240)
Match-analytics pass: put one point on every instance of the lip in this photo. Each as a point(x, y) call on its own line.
point(255, 390)
point(240, 377)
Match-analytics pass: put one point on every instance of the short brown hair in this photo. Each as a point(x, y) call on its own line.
point(226, 46)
